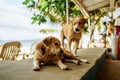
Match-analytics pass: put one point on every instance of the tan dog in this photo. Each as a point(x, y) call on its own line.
point(73, 33)
point(49, 51)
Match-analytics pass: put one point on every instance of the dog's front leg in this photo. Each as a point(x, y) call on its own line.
point(84, 61)
point(76, 61)
point(62, 39)
point(75, 47)
point(61, 65)
point(36, 66)
point(69, 45)
point(62, 42)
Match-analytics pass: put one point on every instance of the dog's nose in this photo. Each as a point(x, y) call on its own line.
point(61, 51)
point(77, 29)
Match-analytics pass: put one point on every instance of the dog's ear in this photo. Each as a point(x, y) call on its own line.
point(47, 41)
point(84, 20)
point(43, 49)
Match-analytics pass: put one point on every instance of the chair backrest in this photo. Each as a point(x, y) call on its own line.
point(10, 50)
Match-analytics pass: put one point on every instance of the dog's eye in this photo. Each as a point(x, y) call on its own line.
point(56, 44)
point(79, 22)
point(74, 23)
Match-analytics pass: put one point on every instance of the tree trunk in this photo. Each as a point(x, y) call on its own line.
point(92, 28)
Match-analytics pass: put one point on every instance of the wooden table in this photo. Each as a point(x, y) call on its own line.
point(22, 70)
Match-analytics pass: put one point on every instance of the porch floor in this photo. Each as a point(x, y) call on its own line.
point(22, 70)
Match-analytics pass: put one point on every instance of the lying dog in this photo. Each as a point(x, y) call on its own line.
point(49, 51)
point(73, 33)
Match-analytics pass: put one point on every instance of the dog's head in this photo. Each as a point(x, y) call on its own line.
point(78, 24)
point(53, 44)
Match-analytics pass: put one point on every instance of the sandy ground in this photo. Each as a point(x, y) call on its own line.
point(110, 70)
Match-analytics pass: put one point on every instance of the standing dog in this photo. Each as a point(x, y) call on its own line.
point(73, 33)
point(49, 51)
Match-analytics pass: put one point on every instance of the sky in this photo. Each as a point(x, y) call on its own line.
point(15, 22)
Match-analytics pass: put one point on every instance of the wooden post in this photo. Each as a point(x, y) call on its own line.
point(67, 12)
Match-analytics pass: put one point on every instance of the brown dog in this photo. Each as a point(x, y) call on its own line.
point(73, 33)
point(49, 51)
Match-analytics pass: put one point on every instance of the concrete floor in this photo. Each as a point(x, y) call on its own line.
point(22, 70)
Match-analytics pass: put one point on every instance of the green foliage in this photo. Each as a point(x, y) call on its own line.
point(85, 30)
point(38, 18)
point(96, 15)
point(55, 10)
point(30, 3)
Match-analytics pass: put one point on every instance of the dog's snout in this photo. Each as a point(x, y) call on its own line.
point(77, 29)
point(61, 51)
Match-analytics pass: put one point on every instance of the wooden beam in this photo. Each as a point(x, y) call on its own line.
point(97, 5)
point(88, 3)
point(112, 5)
point(67, 13)
point(82, 7)
point(106, 9)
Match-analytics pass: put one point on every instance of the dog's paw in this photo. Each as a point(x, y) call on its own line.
point(64, 67)
point(87, 62)
point(78, 62)
point(74, 54)
point(84, 61)
point(36, 68)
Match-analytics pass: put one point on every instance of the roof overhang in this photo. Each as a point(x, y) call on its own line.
point(87, 6)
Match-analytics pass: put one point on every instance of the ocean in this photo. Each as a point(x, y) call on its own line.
point(26, 44)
